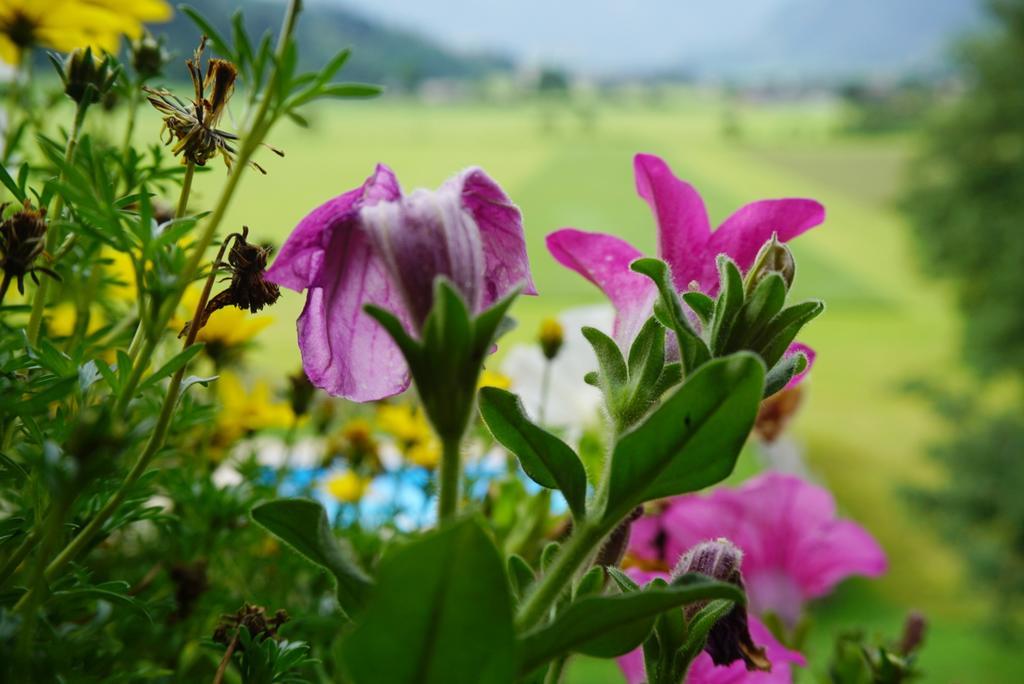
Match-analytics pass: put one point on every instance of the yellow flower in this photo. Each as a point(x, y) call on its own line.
point(226, 330)
point(245, 410)
point(122, 270)
point(491, 378)
point(425, 454)
point(62, 320)
point(64, 25)
point(413, 435)
point(347, 487)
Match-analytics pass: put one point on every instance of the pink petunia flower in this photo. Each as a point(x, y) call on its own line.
point(703, 671)
point(795, 548)
point(374, 245)
point(685, 242)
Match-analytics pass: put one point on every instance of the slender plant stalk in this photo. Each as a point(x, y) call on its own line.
point(579, 547)
point(186, 190)
point(39, 302)
point(19, 554)
point(545, 390)
point(451, 471)
point(222, 668)
point(82, 540)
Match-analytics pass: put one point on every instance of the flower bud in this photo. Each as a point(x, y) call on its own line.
point(22, 240)
point(774, 257)
point(300, 393)
point(85, 79)
point(729, 640)
point(148, 56)
point(551, 337)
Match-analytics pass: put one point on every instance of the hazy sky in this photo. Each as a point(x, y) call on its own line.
point(586, 35)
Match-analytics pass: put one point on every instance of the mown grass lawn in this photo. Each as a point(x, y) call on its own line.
point(885, 324)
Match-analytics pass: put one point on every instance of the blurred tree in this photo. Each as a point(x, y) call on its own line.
point(966, 204)
point(967, 194)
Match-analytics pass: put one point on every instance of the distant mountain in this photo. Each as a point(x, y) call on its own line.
point(845, 38)
point(379, 54)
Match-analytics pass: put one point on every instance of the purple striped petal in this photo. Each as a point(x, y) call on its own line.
point(297, 264)
point(344, 351)
point(501, 231)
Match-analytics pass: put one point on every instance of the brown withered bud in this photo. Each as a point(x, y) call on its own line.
point(248, 289)
point(22, 241)
point(777, 411)
point(253, 618)
point(614, 548)
point(914, 629)
point(190, 583)
point(192, 126)
point(300, 392)
point(729, 640)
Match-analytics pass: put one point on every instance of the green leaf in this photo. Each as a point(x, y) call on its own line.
point(303, 525)
point(11, 185)
point(784, 371)
point(764, 303)
point(727, 306)
point(409, 347)
point(647, 356)
point(220, 44)
point(692, 348)
point(547, 460)
point(700, 304)
point(493, 322)
point(614, 373)
point(609, 626)
point(441, 614)
point(692, 439)
point(700, 626)
point(333, 66)
point(166, 370)
point(520, 573)
point(591, 583)
point(351, 90)
point(112, 592)
point(783, 329)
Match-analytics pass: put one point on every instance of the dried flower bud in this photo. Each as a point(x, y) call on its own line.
point(22, 240)
point(729, 640)
point(148, 56)
point(777, 411)
point(550, 337)
point(87, 80)
point(774, 257)
point(253, 618)
point(248, 289)
point(614, 548)
point(913, 633)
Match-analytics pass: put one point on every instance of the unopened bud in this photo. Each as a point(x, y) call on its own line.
point(148, 56)
point(86, 79)
point(300, 393)
point(615, 545)
point(729, 640)
point(551, 337)
point(774, 257)
point(22, 241)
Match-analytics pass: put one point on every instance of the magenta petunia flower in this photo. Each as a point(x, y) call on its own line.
point(685, 242)
point(374, 245)
point(703, 671)
point(794, 546)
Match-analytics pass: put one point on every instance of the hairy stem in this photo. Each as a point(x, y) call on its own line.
point(577, 549)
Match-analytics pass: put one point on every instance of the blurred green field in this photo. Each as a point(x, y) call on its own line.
point(884, 325)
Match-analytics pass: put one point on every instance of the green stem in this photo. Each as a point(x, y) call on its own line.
point(451, 470)
point(39, 302)
point(577, 549)
point(186, 190)
point(545, 390)
point(554, 675)
point(15, 559)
